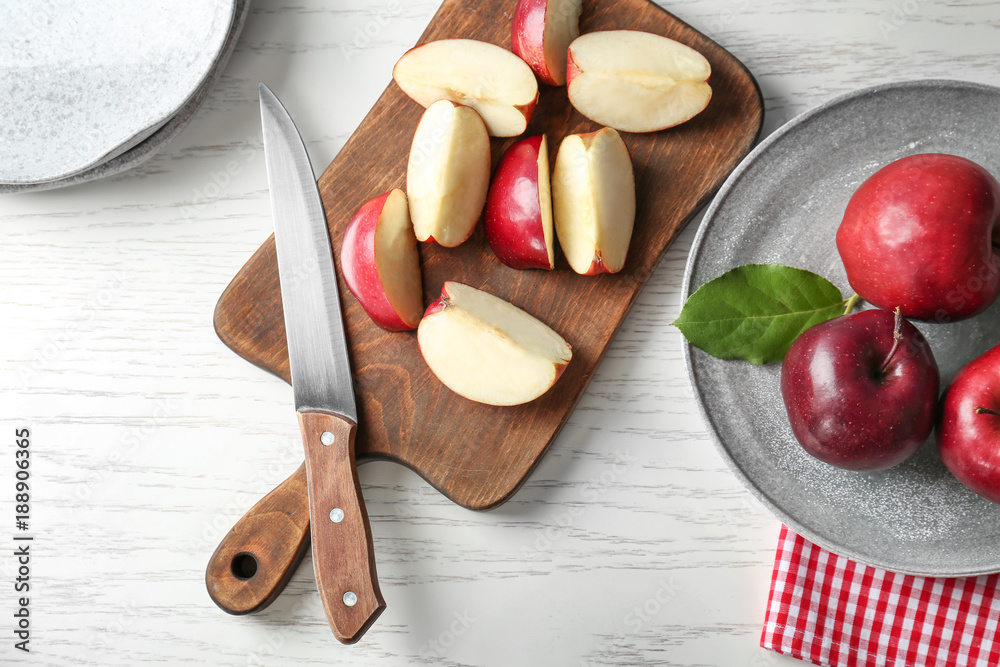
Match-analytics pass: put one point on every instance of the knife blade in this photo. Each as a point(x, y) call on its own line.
point(343, 553)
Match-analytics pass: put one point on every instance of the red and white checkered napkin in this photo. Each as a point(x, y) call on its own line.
point(832, 611)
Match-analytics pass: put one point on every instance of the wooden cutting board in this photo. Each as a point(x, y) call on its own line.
point(478, 455)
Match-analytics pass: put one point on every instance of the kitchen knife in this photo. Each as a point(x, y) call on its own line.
point(343, 555)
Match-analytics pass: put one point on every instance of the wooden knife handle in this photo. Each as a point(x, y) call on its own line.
point(343, 554)
point(254, 562)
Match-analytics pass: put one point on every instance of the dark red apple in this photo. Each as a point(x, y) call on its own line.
point(518, 215)
point(968, 435)
point(920, 233)
point(861, 390)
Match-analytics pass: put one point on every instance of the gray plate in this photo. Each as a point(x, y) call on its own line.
point(783, 205)
point(85, 80)
point(152, 144)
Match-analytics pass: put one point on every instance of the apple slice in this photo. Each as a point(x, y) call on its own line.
point(593, 201)
point(448, 174)
point(636, 81)
point(518, 218)
point(491, 80)
point(488, 350)
point(379, 260)
point(542, 31)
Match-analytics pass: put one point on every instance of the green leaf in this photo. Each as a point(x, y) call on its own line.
point(755, 312)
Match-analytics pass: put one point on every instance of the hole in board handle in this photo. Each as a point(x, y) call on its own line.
point(244, 566)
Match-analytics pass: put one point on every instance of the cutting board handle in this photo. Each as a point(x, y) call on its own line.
point(254, 562)
point(343, 553)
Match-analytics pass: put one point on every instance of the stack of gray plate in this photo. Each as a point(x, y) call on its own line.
point(94, 87)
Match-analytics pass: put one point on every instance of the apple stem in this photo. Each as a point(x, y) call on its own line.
point(850, 304)
point(986, 411)
point(897, 338)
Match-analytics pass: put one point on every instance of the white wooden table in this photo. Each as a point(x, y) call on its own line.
point(630, 543)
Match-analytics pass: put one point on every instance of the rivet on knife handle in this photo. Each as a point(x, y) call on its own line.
point(255, 560)
point(343, 554)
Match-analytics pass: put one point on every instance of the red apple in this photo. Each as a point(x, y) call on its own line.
point(636, 81)
point(593, 201)
point(518, 219)
point(488, 350)
point(493, 81)
point(541, 33)
point(968, 432)
point(448, 173)
point(921, 234)
point(861, 390)
point(379, 260)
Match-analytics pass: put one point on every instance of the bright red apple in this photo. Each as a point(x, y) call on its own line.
point(921, 234)
point(968, 432)
point(542, 31)
point(518, 218)
point(379, 260)
point(861, 390)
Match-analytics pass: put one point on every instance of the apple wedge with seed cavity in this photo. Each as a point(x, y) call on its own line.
point(593, 201)
point(493, 81)
point(379, 260)
point(518, 219)
point(636, 81)
point(448, 174)
point(542, 31)
point(488, 350)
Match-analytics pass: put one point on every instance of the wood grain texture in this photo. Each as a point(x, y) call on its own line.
point(630, 544)
point(479, 455)
point(343, 553)
point(275, 535)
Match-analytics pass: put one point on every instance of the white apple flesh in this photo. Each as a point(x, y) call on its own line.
point(636, 81)
point(448, 174)
point(380, 263)
point(593, 201)
point(542, 31)
point(493, 81)
point(488, 350)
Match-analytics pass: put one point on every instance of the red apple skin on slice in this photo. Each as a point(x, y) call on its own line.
point(493, 81)
point(541, 33)
point(448, 174)
point(518, 219)
point(488, 350)
point(380, 263)
point(636, 81)
point(593, 201)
